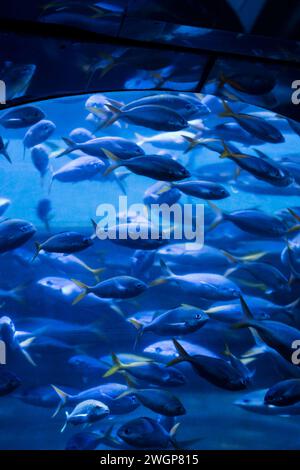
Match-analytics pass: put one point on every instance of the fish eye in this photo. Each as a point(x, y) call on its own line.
point(198, 316)
point(126, 431)
point(158, 349)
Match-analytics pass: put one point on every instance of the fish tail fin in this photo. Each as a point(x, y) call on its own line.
point(82, 294)
point(173, 439)
point(112, 157)
point(220, 216)
point(226, 351)
point(167, 274)
point(66, 422)
point(71, 145)
point(117, 366)
point(295, 227)
point(5, 152)
point(183, 355)
point(226, 152)
point(17, 292)
point(38, 248)
point(294, 214)
point(192, 141)
point(95, 271)
point(26, 344)
point(63, 398)
point(116, 114)
point(140, 331)
point(247, 316)
point(227, 110)
point(259, 347)
point(230, 257)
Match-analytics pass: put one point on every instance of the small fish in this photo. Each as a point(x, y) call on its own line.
point(275, 334)
point(80, 135)
point(215, 370)
point(17, 78)
point(69, 263)
point(86, 412)
point(199, 189)
point(106, 393)
point(21, 117)
point(271, 278)
point(262, 168)
point(255, 403)
point(178, 321)
point(9, 381)
point(160, 193)
point(123, 148)
point(159, 167)
point(65, 242)
point(159, 401)
point(119, 287)
point(38, 133)
point(154, 117)
point(150, 372)
point(204, 285)
point(80, 169)
point(181, 104)
point(256, 126)
point(252, 221)
point(44, 212)
point(14, 233)
point(284, 393)
point(40, 159)
point(252, 84)
point(146, 433)
point(165, 140)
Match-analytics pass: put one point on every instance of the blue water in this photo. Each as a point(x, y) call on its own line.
point(211, 414)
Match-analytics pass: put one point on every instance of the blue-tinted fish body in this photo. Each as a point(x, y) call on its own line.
point(122, 148)
point(178, 321)
point(87, 412)
point(159, 401)
point(204, 285)
point(106, 393)
point(277, 335)
point(40, 159)
point(165, 140)
point(217, 371)
point(151, 116)
point(165, 351)
point(17, 78)
point(159, 167)
point(19, 118)
point(180, 104)
point(14, 233)
point(119, 287)
point(155, 195)
point(80, 135)
point(66, 242)
point(284, 393)
point(145, 433)
point(256, 126)
point(43, 211)
point(254, 402)
point(80, 169)
point(202, 189)
point(38, 133)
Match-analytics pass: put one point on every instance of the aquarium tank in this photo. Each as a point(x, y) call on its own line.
point(149, 225)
